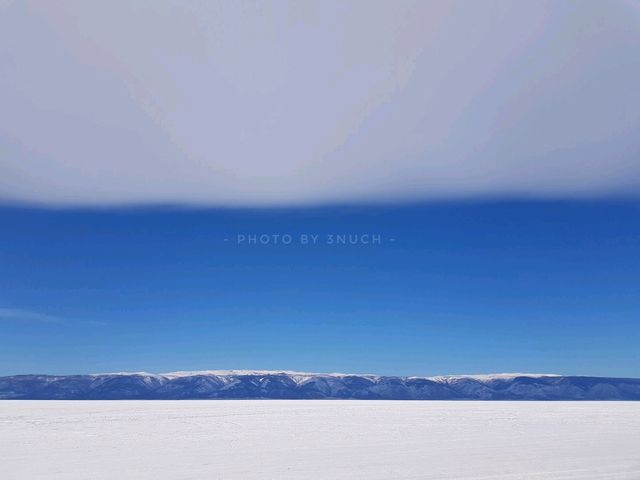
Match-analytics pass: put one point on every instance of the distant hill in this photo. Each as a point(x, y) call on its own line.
point(242, 384)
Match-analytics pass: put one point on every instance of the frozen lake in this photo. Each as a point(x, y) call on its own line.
point(314, 439)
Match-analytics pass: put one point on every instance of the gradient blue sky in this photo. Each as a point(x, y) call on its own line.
point(493, 145)
point(463, 288)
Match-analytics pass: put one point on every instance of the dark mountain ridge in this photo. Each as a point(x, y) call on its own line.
point(293, 385)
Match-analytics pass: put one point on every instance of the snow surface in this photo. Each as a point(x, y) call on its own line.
point(439, 378)
point(319, 440)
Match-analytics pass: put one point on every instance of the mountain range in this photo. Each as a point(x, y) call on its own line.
point(243, 384)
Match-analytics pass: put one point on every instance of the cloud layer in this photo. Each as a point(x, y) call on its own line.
point(26, 315)
point(243, 103)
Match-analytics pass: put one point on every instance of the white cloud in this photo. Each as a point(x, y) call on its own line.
point(242, 103)
point(27, 315)
point(17, 314)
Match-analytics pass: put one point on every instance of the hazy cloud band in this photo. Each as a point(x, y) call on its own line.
point(269, 103)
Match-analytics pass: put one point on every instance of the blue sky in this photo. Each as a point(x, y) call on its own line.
point(463, 287)
point(492, 147)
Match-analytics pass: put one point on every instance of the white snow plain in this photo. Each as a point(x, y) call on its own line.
point(318, 439)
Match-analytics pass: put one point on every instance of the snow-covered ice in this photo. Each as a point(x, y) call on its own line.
point(318, 439)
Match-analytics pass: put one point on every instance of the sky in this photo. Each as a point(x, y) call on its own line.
point(449, 288)
point(176, 179)
point(282, 102)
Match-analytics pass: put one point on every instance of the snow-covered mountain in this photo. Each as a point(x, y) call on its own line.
point(238, 384)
